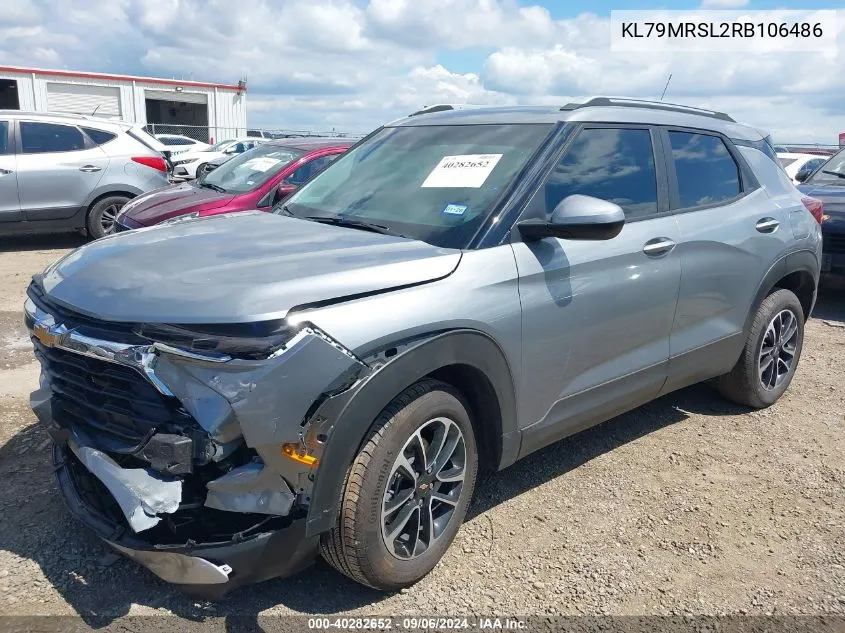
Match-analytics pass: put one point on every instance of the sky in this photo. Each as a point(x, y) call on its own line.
point(352, 65)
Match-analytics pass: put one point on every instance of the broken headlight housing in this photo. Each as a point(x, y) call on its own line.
point(248, 341)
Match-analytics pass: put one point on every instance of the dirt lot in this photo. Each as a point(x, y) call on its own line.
point(687, 505)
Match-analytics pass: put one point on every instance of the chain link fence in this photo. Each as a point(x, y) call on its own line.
point(213, 134)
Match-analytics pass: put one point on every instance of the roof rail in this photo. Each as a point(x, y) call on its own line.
point(652, 105)
point(441, 107)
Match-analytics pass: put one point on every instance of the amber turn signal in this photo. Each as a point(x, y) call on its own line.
point(295, 453)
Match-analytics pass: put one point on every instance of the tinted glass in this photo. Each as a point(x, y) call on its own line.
point(813, 164)
point(4, 137)
point(37, 138)
point(608, 163)
point(832, 171)
point(99, 136)
point(309, 169)
point(433, 183)
point(707, 173)
point(248, 171)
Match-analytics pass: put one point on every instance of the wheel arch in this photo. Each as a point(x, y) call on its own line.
point(468, 360)
point(798, 272)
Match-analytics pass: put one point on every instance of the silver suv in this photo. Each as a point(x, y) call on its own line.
point(230, 396)
point(60, 173)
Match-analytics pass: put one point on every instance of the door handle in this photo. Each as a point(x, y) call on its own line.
point(767, 225)
point(90, 168)
point(658, 246)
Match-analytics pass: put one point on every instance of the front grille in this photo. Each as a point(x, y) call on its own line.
point(115, 406)
point(833, 243)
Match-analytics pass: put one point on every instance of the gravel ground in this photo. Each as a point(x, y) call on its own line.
point(689, 505)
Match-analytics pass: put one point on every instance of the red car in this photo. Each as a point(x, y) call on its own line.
point(256, 179)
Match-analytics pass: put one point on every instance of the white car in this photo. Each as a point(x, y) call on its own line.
point(793, 163)
point(189, 165)
point(178, 144)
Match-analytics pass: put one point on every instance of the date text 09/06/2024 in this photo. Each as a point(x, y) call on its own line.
point(417, 623)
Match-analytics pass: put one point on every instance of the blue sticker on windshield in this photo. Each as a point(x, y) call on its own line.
point(455, 209)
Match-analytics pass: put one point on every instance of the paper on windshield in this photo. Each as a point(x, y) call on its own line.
point(262, 163)
point(464, 170)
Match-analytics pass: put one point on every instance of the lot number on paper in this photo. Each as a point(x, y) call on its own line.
point(261, 164)
point(467, 170)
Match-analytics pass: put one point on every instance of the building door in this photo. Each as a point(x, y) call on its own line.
point(9, 95)
point(84, 99)
point(171, 112)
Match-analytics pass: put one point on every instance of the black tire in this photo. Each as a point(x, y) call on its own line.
point(100, 221)
point(200, 169)
point(744, 383)
point(356, 546)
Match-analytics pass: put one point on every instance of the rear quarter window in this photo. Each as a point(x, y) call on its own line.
point(99, 136)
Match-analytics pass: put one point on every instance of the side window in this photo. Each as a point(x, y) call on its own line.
point(307, 170)
point(4, 137)
point(814, 164)
point(614, 164)
point(707, 173)
point(99, 136)
point(39, 138)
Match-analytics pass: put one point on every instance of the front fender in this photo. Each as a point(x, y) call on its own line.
point(345, 419)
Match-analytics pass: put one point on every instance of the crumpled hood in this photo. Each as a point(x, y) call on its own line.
point(235, 268)
point(161, 204)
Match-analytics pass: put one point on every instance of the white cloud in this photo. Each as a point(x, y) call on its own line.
point(724, 4)
point(354, 64)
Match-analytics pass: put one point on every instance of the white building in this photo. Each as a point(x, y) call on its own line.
point(195, 108)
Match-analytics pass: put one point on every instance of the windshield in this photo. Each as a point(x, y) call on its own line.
point(437, 184)
point(219, 147)
point(248, 171)
point(832, 172)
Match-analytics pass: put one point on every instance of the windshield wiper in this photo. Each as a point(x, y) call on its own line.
point(216, 188)
point(351, 223)
point(833, 173)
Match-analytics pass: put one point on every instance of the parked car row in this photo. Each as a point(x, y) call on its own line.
point(72, 173)
point(232, 396)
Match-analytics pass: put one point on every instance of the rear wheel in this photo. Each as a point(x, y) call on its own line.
point(408, 490)
point(770, 357)
point(103, 215)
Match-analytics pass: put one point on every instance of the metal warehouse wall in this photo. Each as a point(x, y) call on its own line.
point(226, 109)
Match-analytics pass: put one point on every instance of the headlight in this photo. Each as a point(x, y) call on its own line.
point(184, 162)
point(181, 218)
point(249, 341)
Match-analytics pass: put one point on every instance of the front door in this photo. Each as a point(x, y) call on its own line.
point(597, 315)
point(10, 207)
point(57, 170)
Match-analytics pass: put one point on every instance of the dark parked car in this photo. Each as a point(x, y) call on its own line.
point(827, 184)
point(256, 179)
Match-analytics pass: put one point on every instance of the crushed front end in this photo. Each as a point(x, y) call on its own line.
point(185, 449)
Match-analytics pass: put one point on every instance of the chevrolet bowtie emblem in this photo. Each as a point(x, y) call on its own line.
point(49, 335)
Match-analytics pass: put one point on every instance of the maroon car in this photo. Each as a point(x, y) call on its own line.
point(256, 179)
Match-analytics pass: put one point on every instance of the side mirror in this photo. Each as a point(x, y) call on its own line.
point(803, 174)
point(578, 217)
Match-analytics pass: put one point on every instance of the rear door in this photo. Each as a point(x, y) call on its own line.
point(731, 234)
point(10, 207)
point(597, 315)
point(58, 168)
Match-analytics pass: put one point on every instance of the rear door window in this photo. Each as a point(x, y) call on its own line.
point(40, 138)
point(707, 173)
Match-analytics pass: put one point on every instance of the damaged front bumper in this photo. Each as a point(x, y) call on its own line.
point(182, 460)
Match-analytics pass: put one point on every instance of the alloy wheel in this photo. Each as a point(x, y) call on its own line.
point(108, 219)
point(777, 352)
point(423, 489)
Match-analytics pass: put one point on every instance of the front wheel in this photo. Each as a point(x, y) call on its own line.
point(771, 353)
point(408, 490)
